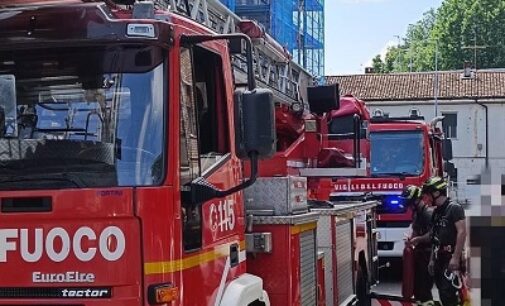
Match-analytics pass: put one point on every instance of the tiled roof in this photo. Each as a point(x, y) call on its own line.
point(421, 85)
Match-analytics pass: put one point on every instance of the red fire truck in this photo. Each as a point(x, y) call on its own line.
point(403, 151)
point(121, 179)
point(129, 133)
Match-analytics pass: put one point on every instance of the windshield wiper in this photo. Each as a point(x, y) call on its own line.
point(65, 177)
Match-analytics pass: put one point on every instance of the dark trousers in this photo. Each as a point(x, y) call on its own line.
point(423, 281)
point(448, 293)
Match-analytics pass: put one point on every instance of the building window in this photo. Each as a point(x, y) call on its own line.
point(450, 125)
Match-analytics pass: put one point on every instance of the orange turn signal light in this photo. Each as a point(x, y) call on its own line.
point(161, 294)
point(166, 294)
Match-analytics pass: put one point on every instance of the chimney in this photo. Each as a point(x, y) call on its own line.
point(468, 73)
point(414, 113)
point(369, 70)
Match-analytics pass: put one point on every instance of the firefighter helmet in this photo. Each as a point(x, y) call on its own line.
point(433, 184)
point(411, 192)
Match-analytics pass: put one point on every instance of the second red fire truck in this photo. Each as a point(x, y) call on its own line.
point(403, 151)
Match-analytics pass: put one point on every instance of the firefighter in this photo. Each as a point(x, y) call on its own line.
point(420, 239)
point(448, 238)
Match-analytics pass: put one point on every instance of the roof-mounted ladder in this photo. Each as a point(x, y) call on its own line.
point(274, 67)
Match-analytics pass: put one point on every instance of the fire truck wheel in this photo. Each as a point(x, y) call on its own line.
point(362, 282)
point(257, 303)
point(362, 290)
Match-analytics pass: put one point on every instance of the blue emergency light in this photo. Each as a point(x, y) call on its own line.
point(393, 204)
point(393, 200)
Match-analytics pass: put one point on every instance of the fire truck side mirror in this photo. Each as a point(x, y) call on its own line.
point(447, 149)
point(254, 123)
point(323, 99)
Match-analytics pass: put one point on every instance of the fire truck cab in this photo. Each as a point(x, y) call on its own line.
point(403, 151)
point(119, 157)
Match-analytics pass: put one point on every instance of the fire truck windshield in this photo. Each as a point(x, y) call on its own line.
point(81, 117)
point(396, 152)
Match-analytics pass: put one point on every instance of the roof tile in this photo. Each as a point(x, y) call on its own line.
point(421, 85)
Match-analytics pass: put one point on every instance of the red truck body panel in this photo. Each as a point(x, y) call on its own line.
point(87, 239)
point(281, 269)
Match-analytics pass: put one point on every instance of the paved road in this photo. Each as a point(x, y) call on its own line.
point(391, 283)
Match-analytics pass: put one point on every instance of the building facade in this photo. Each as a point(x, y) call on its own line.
point(472, 106)
point(297, 24)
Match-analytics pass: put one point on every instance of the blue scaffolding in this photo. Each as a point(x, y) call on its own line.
point(297, 24)
point(229, 3)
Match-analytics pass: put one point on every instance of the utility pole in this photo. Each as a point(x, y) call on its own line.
point(411, 63)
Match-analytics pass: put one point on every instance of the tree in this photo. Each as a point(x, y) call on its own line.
point(463, 23)
point(455, 27)
point(415, 49)
point(420, 44)
point(378, 64)
point(392, 60)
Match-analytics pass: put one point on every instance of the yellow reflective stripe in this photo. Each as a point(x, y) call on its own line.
point(411, 193)
point(296, 229)
point(433, 181)
point(159, 267)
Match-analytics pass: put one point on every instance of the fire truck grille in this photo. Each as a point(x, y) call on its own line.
point(308, 268)
point(51, 293)
point(344, 261)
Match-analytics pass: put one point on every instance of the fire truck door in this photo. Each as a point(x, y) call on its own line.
point(211, 228)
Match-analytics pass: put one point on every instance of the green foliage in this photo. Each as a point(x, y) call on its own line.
point(378, 64)
point(453, 30)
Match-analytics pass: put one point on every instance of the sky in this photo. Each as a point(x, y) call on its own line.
point(358, 30)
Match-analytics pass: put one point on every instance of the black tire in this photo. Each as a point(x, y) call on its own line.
point(257, 303)
point(362, 282)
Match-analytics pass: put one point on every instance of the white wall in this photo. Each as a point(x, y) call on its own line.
point(469, 147)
